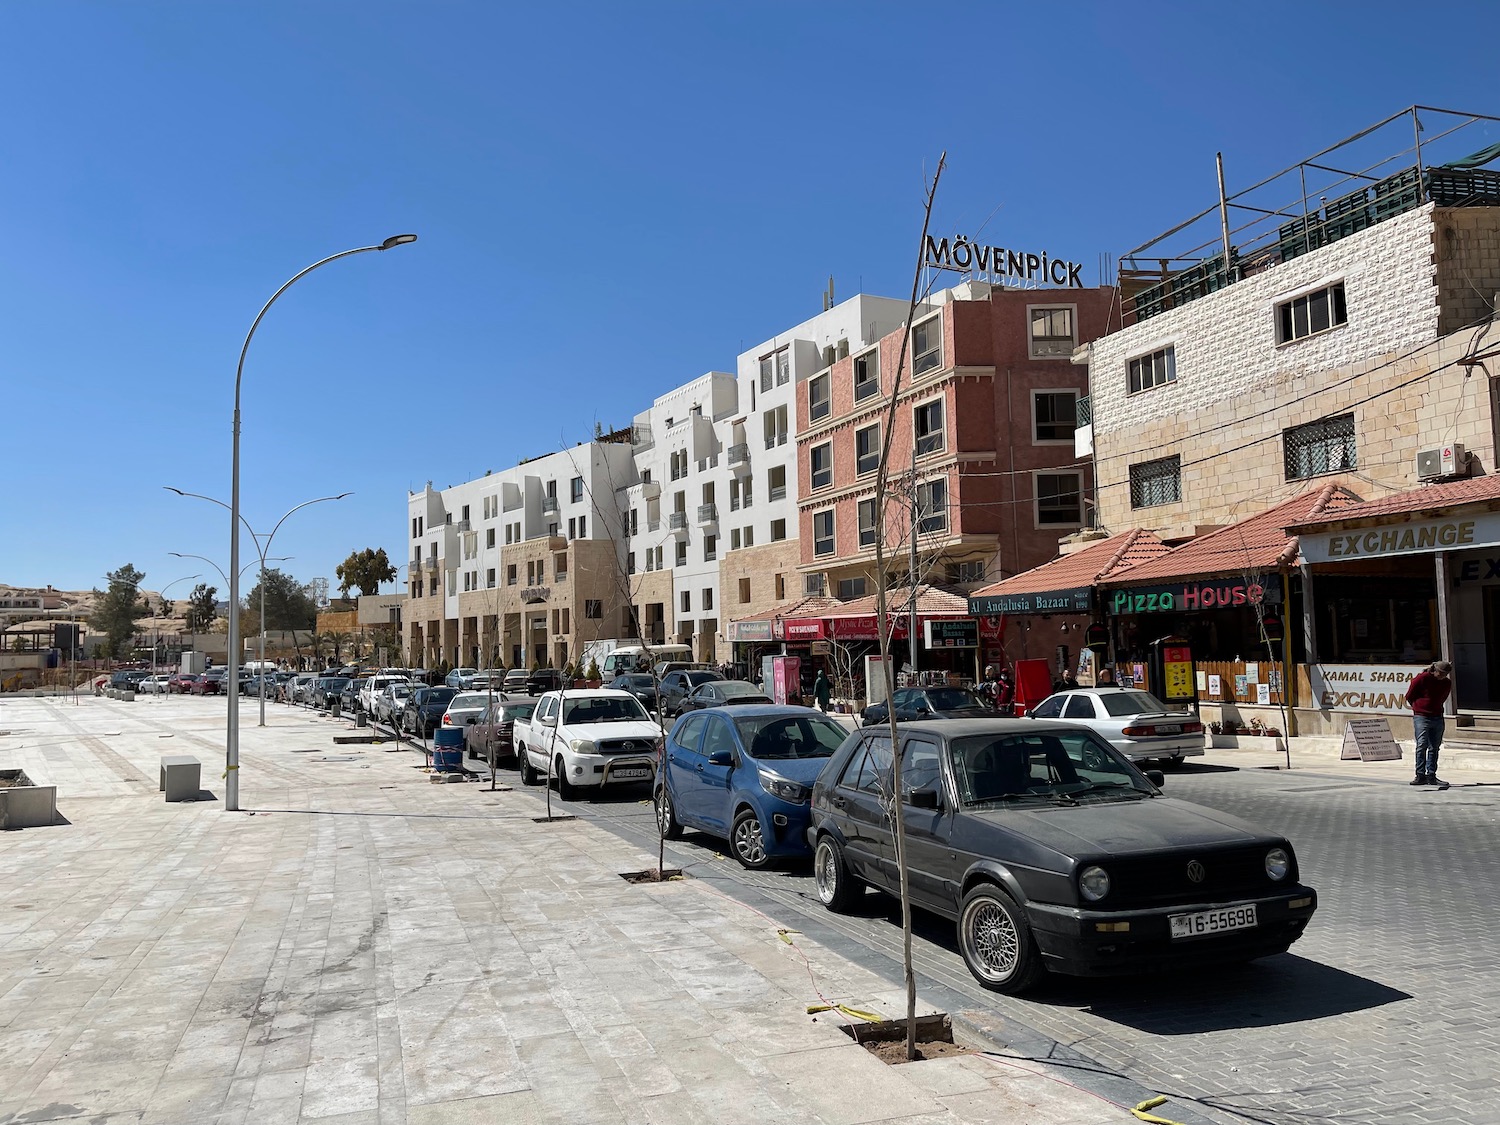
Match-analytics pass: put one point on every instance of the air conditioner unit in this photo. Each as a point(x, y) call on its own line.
point(1450, 460)
point(813, 584)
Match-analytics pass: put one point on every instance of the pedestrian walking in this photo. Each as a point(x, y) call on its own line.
point(822, 690)
point(1428, 691)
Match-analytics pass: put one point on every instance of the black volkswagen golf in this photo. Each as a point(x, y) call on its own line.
point(1051, 851)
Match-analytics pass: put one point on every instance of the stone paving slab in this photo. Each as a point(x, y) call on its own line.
point(370, 949)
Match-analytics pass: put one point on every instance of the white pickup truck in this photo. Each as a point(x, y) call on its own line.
point(591, 738)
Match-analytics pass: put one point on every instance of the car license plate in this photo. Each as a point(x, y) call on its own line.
point(631, 774)
point(1170, 728)
point(1209, 922)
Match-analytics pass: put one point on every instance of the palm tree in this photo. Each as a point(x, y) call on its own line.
point(316, 641)
point(338, 641)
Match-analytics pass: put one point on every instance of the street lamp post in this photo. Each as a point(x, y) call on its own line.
point(232, 741)
point(234, 610)
point(260, 549)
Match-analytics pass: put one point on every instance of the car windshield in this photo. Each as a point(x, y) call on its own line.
point(604, 709)
point(1059, 766)
point(513, 711)
point(771, 737)
point(952, 699)
point(696, 678)
point(632, 682)
point(439, 695)
point(469, 701)
point(1120, 703)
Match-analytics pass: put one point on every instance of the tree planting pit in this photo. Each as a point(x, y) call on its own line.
point(886, 1039)
point(652, 875)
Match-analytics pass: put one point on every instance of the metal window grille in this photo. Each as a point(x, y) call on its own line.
point(1156, 482)
point(1153, 370)
point(1324, 446)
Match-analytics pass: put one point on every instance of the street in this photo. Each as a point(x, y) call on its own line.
point(1384, 1011)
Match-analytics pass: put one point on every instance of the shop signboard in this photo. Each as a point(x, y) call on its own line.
point(1177, 673)
point(804, 629)
point(1075, 599)
point(1415, 537)
point(1372, 689)
point(960, 633)
point(750, 631)
point(1195, 595)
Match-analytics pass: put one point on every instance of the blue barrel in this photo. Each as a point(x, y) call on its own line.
point(448, 749)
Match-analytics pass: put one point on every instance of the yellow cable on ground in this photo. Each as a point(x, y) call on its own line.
point(869, 1017)
point(1151, 1103)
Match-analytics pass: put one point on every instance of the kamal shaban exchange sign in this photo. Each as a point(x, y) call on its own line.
point(1011, 266)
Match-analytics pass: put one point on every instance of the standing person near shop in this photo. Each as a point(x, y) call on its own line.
point(822, 690)
point(1428, 691)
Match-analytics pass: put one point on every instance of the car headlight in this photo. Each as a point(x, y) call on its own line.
point(581, 745)
point(1278, 863)
point(781, 787)
point(1094, 883)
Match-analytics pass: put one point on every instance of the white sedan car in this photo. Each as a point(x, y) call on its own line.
point(156, 685)
point(466, 708)
point(390, 701)
point(1136, 723)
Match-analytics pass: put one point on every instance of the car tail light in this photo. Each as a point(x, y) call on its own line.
point(1137, 732)
point(1192, 728)
point(447, 719)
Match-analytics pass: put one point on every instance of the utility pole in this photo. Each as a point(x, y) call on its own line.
point(911, 622)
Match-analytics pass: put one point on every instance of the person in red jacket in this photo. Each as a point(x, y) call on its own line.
point(1427, 693)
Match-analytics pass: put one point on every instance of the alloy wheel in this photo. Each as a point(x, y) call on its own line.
point(749, 845)
point(990, 938)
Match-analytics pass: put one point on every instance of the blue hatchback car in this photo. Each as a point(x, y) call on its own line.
point(745, 774)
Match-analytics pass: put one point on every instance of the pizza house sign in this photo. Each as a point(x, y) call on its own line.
point(1191, 597)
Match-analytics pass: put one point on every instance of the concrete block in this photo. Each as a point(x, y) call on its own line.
point(181, 775)
point(24, 804)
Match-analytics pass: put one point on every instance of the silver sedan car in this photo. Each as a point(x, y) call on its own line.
point(1136, 723)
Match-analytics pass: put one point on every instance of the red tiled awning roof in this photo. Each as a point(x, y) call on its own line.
point(1260, 542)
point(1429, 498)
point(1082, 568)
point(814, 606)
point(931, 602)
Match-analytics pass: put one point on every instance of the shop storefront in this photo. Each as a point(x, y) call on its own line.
point(1399, 582)
point(1052, 612)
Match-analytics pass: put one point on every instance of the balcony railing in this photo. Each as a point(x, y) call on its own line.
point(677, 521)
point(708, 513)
point(431, 563)
point(641, 437)
point(549, 503)
point(778, 438)
point(739, 454)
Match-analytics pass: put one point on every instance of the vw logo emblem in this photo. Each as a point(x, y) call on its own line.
point(1196, 871)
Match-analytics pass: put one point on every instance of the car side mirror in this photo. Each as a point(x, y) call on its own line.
point(1031, 712)
point(1156, 778)
point(925, 799)
point(721, 758)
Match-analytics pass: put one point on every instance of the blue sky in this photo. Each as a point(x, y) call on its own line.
point(611, 198)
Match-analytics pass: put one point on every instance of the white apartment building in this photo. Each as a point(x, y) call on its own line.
point(522, 566)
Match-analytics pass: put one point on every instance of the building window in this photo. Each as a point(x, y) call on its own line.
point(1054, 415)
point(928, 420)
point(866, 374)
point(682, 552)
point(489, 537)
point(823, 532)
point(583, 527)
point(510, 575)
point(1311, 313)
point(489, 578)
point(819, 398)
point(1324, 446)
point(867, 523)
point(744, 590)
point(776, 480)
point(867, 449)
point(734, 539)
point(749, 536)
point(745, 492)
point(1059, 499)
point(783, 367)
point(775, 367)
point(927, 346)
point(687, 601)
point(850, 588)
point(572, 527)
point(710, 548)
point(1156, 482)
point(774, 427)
point(778, 533)
point(708, 598)
point(932, 505)
point(780, 587)
point(965, 572)
point(1154, 370)
point(1052, 333)
point(593, 608)
point(575, 489)
point(734, 495)
point(630, 562)
point(820, 460)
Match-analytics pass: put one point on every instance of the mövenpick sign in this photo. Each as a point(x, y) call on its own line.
point(996, 261)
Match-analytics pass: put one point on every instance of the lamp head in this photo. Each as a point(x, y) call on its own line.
point(397, 240)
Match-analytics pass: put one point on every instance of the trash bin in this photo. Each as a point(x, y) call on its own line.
point(448, 749)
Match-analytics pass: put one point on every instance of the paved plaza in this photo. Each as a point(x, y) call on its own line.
point(370, 948)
